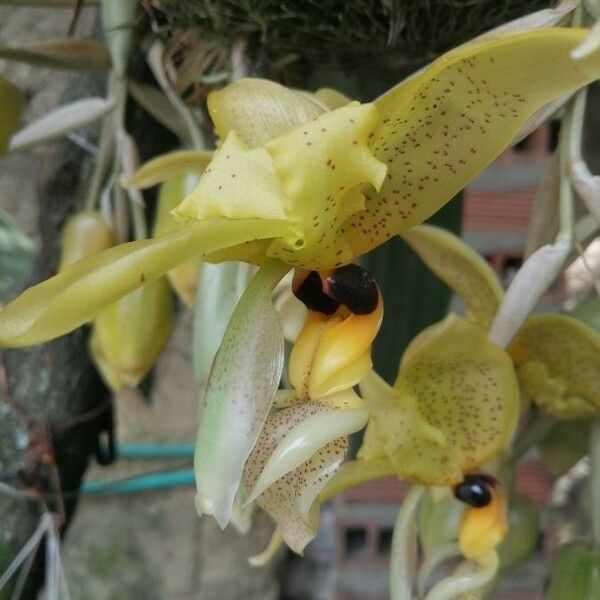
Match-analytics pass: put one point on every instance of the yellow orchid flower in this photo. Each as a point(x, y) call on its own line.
point(558, 363)
point(304, 440)
point(453, 407)
point(316, 187)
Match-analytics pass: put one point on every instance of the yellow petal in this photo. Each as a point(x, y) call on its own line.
point(482, 529)
point(71, 298)
point(259, 110)
point(333, 353)
point(130, 334)
point(292, 501)
point(239, 183)
point(168, 166)
point(320, 166)
point(84, 234)
point(441, 127)
point(558, 362)
point(461, 268)
point(454, 406)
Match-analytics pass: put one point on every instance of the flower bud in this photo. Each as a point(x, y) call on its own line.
point(84, 234)
point(130, 334)
point(184, 277)
point(485, 522)
point(333, 350)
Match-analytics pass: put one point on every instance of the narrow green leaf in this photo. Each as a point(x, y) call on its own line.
point(70, 54)
point(47, 3)
point(156, 103)
point(238, 394)
point(61, 121)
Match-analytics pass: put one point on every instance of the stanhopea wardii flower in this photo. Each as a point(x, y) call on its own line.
point(311, 182)
point(317, 187)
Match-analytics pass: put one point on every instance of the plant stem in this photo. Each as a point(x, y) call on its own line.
point(595, 481)
point(404, 546)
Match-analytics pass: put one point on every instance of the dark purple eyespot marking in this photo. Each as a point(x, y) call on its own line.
point(475, 490)
point(354, 287)
point(310, 293)
point(350, 286)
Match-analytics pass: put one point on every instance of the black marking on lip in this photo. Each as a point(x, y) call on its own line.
point(354, 287)
point(310, 293)
point(475, 490)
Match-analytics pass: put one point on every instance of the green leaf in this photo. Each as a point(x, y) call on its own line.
point(70, 54)
point(11, 107)
point(156, 103)
point(61, 121)
point(238, 394)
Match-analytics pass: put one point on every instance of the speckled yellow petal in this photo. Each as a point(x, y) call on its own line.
point(441, 127)
point(454, 406)
point(259, 110)
point(461, 268)
point(558, 362)
point(291, 500)
point(320, 166)
point(239, 183)
point(332, 98)
point(168, 166)
point(183, 277)
point(71, 298)
point(303, 441)
point(130, 334)
point(395, 424)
